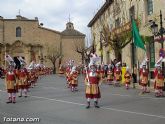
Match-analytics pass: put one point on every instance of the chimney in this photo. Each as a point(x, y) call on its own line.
point(1, 17)
point(36, 18)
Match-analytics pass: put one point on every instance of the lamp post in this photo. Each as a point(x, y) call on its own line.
point(159, 32)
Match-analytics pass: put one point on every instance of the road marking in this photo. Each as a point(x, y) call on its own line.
point(116, 94)
point(58, 100)
point(53, 88)
point(2, 91)
point(107, 108)
point(137, 113)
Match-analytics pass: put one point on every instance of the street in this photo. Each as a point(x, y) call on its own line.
point(53, 103)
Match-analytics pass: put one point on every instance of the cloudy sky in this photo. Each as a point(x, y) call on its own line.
point(53, 13)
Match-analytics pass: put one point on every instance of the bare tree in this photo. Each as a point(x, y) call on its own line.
point(88, 52)
point(53, 55)
point(84, 52)
point(79, 48)
point(117, 39)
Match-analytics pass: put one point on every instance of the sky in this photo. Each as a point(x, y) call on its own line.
point(54, 14)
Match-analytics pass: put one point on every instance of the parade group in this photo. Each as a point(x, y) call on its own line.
point(20, 77)
point(96, 74)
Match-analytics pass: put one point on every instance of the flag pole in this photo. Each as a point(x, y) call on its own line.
point(133, 54)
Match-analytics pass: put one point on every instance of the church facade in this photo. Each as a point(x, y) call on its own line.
point(29, 39)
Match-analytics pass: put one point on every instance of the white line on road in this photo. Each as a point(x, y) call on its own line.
point(53, 88)
point(58, 100)
point(107, 108)
point(2, 91)
point(116, 94)
point(137, 113)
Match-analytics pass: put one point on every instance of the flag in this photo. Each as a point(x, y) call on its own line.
point(136, 36)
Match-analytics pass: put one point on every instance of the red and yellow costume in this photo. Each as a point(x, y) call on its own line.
point(10, 82)
point(22, 83)
point(67, 73)
point(127, 77)
point(159, 80)
point(92, 89)
point(23, 79)
point(110, 76)
point(159, 83)
point(143, 77)
point(117, 76)
point(74, 80)
point(32, 78)
point(92, 81)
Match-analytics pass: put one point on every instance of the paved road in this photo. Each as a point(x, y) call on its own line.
point(53, 103)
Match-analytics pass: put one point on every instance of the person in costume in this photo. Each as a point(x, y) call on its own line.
point(10, 80)
point(23, 83)
point(92, 89)
point(110, 75)
point(68, 71)
point(144, 79)
point(159, 79)
point(128, 78)
point(74, 79)
point(123, 69)
point(117, 74)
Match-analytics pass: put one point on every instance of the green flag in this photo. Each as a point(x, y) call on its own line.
point(136, 36)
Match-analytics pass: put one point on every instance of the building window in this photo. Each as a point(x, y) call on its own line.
point(18, 32)
point(149, 7)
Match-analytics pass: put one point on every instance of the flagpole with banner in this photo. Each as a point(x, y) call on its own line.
point(136, 42)
point(133, 55)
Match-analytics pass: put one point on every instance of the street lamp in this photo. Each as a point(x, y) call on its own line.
point(154, 28)
point(159, 32)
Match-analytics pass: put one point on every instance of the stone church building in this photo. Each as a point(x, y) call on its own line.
point(28, 38)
